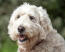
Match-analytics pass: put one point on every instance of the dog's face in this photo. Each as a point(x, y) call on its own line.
point(27, 22)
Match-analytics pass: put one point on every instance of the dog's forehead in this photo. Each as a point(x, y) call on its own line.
point(31, 10)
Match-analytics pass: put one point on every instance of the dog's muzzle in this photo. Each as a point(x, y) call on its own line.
point(22, 37)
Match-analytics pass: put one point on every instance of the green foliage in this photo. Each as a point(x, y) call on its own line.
point(55, 9)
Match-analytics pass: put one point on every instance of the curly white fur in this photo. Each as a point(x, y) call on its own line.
point(43, 38)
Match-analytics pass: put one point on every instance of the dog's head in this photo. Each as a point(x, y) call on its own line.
point(29, 21)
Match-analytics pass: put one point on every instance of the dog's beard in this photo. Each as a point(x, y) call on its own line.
point(27, 40)
point(29, 33)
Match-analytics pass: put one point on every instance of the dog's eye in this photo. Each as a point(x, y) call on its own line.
point(18, 16)
point(31, 17)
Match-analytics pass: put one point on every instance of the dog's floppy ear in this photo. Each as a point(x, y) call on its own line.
point(10, 27)
point(45, 23)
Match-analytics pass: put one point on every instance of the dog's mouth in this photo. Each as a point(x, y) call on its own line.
point(22, 37)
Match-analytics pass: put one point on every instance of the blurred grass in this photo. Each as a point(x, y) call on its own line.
point(9, 46)
point(56, 11)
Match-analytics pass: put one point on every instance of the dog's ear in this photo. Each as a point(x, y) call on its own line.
point(11, 28)
point(45, 22)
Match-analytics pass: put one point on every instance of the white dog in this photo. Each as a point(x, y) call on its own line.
point(31, 27)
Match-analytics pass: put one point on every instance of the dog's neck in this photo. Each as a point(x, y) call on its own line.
point(28, 45)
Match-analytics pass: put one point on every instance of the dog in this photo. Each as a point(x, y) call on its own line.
point(31, 27)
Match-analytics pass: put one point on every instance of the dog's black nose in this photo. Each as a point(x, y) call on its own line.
point(21, 29)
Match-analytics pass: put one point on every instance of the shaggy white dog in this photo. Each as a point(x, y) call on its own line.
point(31, 27)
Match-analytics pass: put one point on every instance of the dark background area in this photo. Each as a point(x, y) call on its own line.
point(55, 9)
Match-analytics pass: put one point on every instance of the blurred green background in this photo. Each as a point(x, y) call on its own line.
point(55, 9)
